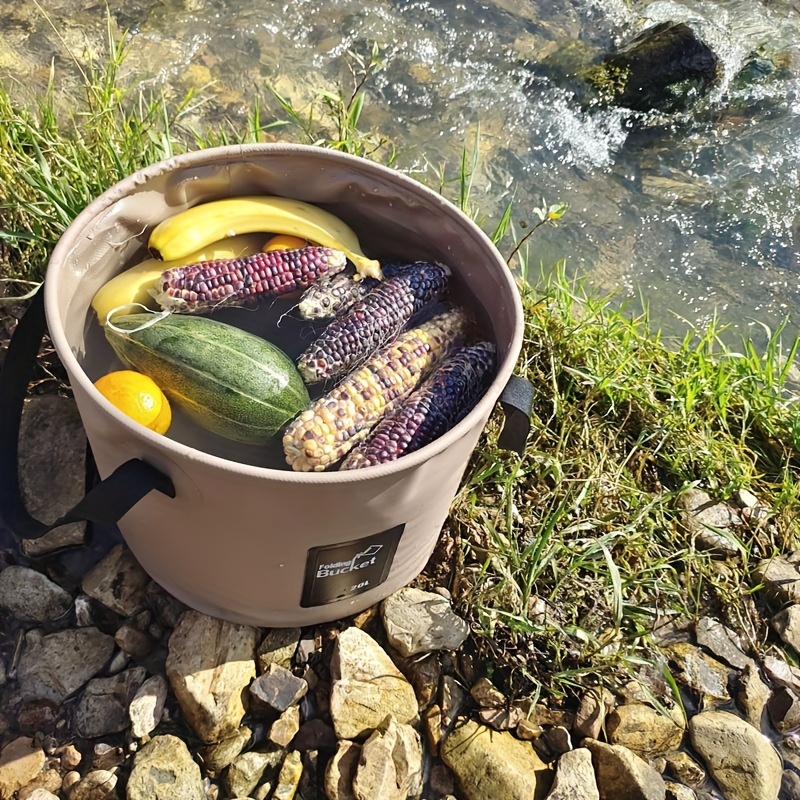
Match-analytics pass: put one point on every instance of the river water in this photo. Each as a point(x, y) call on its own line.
point(694, 215)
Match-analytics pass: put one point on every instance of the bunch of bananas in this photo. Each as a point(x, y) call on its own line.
point(232, 228)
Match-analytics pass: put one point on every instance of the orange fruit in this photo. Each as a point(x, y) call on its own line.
point(137, 396)
point(282, 241)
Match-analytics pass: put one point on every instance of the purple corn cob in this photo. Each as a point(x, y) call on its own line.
point(439, 404)
point(374, 321)
point(245, 281)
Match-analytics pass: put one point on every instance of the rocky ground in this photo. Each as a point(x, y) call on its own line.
point(111, 688)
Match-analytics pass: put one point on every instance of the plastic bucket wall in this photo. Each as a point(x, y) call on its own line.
point(245, 538)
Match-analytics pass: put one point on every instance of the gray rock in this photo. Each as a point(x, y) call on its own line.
point(644, 730)
point(277, 647)
point(711, 524)
point(700, 672)
point(210, 664)
point(133, 641)
point(784, 709)
point(278, 688)
point(621, 773)
point(52, 469)
point(147, 706)
point(118, 582)
point(103, 707)
point(366, 686)
point(99, 784)
point(164, 769)
point(252, 768)
point(341, 770)
point(54, 666)
point(106, 756)
point(454, 697)
point(488, 763)
point(780, 577)
point(420, 622)
point(31, 596)
point(575, 777)
point(781, 672)
point(591, 714)
point(20, 762)
point(790, 785)
point(786, 624)
point(722, 642)
point(742, 761)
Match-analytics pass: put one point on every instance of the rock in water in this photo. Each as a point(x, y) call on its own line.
point(664, 68)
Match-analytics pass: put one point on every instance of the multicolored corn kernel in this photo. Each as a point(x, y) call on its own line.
point(335, 294)
point(332, 295)
point(373, 321)
point(245, 281)
point(326, 431)
point(440, 403)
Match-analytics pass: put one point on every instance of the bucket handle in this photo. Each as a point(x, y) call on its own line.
point(105, 503)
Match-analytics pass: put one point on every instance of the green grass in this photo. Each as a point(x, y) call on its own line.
point(563, 558)
point(571, 553)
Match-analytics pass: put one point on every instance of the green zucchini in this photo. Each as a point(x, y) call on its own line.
point(230, 382)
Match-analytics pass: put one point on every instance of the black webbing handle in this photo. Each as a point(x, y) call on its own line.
point(110, 499)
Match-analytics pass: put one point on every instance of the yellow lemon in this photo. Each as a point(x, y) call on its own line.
point(137, 396)
point(283, 241)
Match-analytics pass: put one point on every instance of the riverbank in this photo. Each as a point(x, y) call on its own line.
point(658, 486)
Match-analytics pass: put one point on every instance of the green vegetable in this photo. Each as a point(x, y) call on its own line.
point(229, 381)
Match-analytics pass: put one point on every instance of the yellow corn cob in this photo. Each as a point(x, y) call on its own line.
point(326, 431)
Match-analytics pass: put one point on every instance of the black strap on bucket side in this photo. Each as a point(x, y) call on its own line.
point(516, 402)
point(110, 499)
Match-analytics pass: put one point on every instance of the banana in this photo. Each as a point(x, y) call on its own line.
point(191, 229)
point(134, 285)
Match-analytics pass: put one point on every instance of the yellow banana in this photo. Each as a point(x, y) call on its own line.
point(191, 229)
point(134, 285)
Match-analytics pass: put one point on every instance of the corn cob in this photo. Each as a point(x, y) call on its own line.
point(372, 322)
point(335, 294)
point(327, 430)
point(332, 295)
point(440, 403)
point(244, 281)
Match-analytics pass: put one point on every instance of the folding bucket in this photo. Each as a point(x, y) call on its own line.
point(228, 529)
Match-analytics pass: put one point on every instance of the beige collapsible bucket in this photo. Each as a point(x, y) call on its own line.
point(244, 538)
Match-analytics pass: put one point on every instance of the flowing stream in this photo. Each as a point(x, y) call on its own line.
point(694, 214)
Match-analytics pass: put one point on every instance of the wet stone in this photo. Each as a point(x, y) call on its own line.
point(315, 734)
point(784, 709)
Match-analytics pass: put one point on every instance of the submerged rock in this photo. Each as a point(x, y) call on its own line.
point(664, 68)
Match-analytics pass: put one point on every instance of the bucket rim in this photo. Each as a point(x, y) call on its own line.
point(170, 448)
